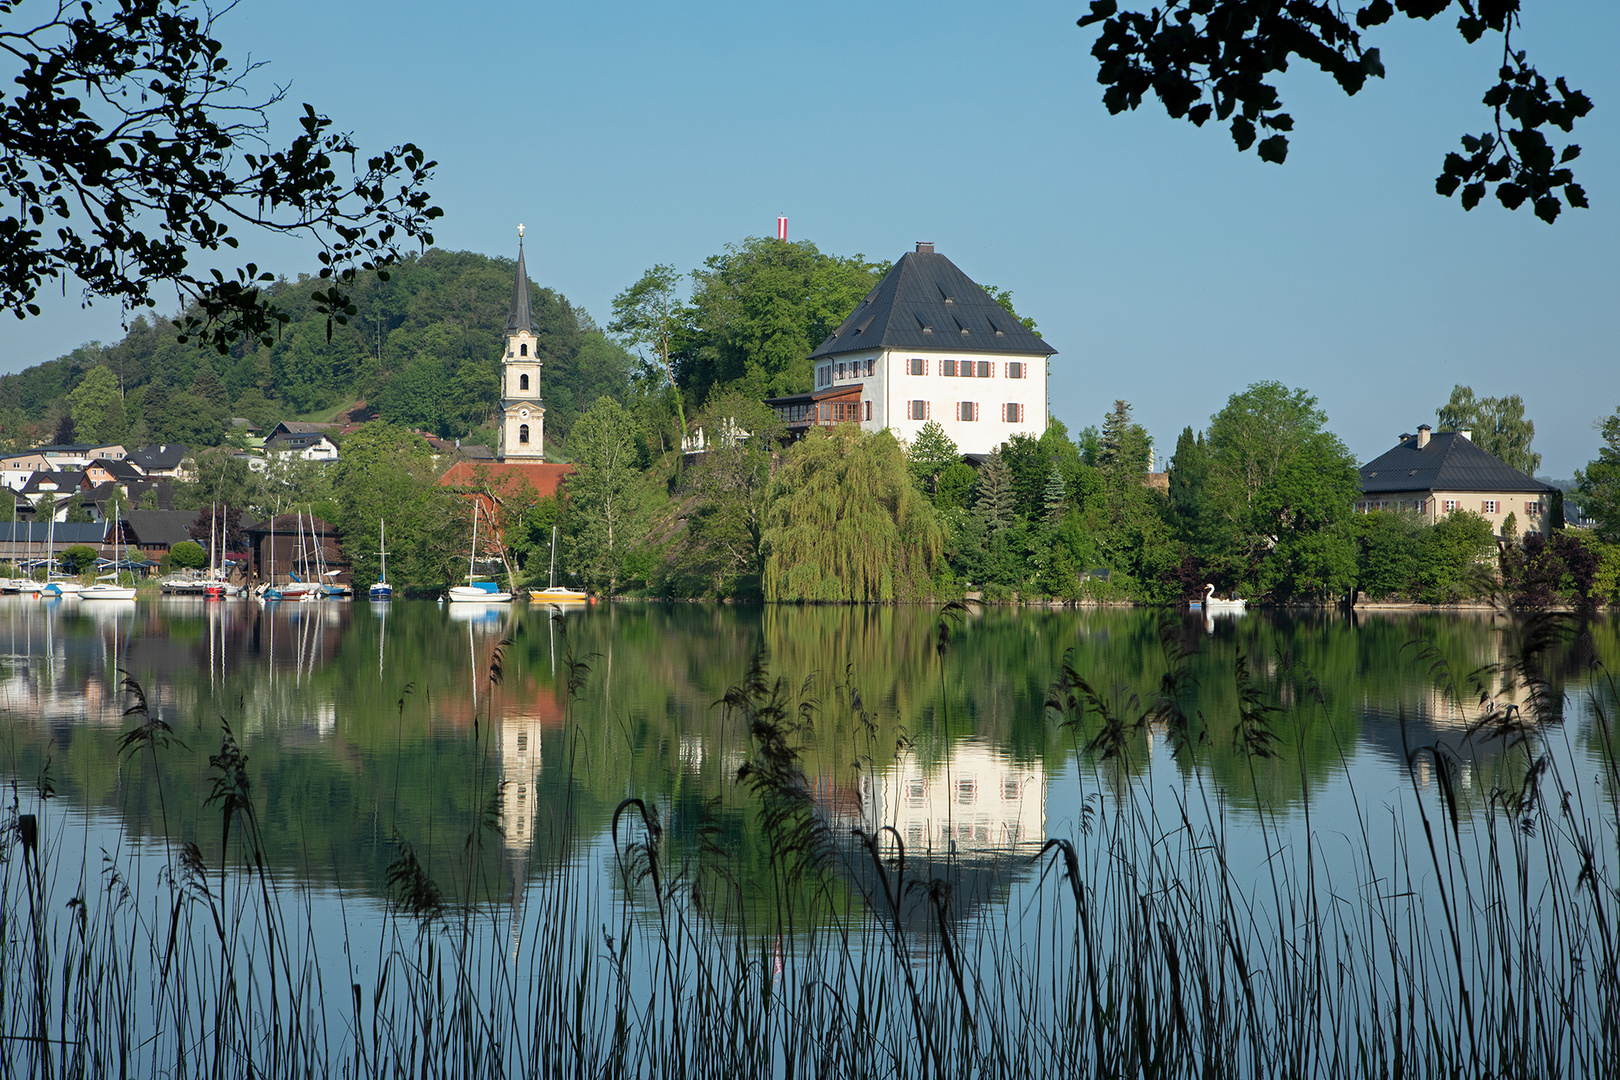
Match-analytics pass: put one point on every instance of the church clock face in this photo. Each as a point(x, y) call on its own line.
point(523, 413)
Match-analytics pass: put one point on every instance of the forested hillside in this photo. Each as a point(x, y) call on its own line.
point(422, 349)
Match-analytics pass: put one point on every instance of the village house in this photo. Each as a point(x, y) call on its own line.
point(166, 460)
point(1433, 474)
point(927, 344)
point(311, 442)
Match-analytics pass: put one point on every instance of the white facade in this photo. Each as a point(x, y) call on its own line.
point(980, 399)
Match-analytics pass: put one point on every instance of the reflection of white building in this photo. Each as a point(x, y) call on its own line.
point(520, 770)
point(975, 801)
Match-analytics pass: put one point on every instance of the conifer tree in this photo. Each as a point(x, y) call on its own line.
point(1055, 499)
point(994, 503)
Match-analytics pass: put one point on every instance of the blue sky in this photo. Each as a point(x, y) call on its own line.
point(1167, 269)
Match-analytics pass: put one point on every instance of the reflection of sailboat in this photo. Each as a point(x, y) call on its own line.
point(553, 594)
point(475, 591)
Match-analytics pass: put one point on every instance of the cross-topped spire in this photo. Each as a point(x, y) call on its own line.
point(521, 318)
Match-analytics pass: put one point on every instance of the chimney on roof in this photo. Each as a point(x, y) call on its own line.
point(925, 247)
point(1423, 435)
point(1467, 433)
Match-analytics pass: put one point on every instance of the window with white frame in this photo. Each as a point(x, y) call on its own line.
point(1487, 506)
point(1450, 505)
point(916, 410)
point(1533, 506)
point(967, 410)
point(869, 410)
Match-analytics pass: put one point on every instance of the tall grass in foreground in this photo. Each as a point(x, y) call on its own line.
point(1450, 944)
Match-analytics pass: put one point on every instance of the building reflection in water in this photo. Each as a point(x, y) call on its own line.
point(971, 820)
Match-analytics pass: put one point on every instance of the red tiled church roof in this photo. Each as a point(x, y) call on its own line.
point(503, 476)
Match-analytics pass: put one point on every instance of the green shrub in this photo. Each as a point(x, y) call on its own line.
point(188, 555)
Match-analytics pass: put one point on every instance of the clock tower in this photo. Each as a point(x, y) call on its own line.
point(523, 421)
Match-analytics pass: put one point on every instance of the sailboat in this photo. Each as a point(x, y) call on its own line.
point(107, 586)
point(57, 584)
point(475, 591)
point(553, 593)
point(214, 584)
point(298, 588)
point(382, 590)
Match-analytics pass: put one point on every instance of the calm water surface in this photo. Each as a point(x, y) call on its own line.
point(364, 724)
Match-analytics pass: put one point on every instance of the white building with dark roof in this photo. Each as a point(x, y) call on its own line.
point(1434, 474)
point(927, 344)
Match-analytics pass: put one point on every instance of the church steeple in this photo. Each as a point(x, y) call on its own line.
point(523, 417)
point(521, 318)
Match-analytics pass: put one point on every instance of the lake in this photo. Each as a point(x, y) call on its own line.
point(412, 756)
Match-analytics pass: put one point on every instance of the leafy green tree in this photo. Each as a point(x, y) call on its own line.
point(387, 474)
point(845, 523)
point(188, 555)
point(78, 558)
point(955, 485)
point(1389, 554)
point(1598, 485)
point(191, 420)
point(97, 407)
point(930, 454)
point(1282, 487)
point(759, 309)
point(606, 447)
point(124, 129)
point(1498, 426)
point(647, 316)
point(1217, 59)
point(1456, 557)
point(206, 385)
point(728, 486)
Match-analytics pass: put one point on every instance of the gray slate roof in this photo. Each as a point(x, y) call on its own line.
point(66, 481)
point(1449, 463)
point(521, 318)
point(925, 302)
point(166, 527)
point(37, 532)
point(160, 456)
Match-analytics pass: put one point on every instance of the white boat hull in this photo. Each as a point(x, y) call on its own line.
point(469, 594)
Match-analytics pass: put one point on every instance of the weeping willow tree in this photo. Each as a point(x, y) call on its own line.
point(845, 524)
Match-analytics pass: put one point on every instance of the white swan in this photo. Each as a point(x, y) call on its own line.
point(1213, 604)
